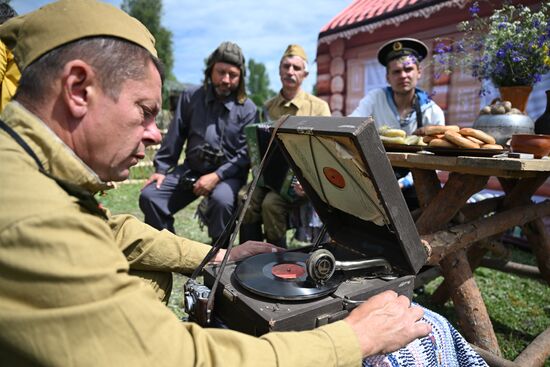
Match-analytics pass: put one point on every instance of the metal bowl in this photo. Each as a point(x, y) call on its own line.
point(502, 127)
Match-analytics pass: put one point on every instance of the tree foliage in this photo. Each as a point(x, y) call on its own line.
point(258, 83)
point(149, 13)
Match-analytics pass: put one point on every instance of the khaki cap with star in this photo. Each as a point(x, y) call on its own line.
point(34, 34)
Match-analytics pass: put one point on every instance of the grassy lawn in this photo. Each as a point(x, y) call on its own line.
point(519, 307)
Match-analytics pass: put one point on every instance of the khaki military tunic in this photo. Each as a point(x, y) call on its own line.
point(66, 296)
point(303, 104)
point(267, 206)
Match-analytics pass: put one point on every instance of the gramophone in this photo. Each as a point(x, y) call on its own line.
point(374, 245)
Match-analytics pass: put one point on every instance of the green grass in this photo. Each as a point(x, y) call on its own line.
point(519, 307)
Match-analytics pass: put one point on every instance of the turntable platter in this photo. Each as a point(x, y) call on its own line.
point(281, 276)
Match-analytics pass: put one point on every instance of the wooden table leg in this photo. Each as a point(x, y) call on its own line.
point(475, 255)
point(519, 193)
point(445, 203)
point(471, 311)
point(539, 240)
point(472, 314)
point(427, 185)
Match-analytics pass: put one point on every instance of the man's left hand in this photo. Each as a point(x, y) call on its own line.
point(247, 249)
point(205, 184)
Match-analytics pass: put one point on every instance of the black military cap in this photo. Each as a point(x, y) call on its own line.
point(402, 47)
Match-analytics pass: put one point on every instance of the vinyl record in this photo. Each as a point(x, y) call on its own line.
point(281, 276)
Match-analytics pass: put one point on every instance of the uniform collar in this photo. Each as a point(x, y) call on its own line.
point(423, 97)
point(297, 101)
point(56, 157)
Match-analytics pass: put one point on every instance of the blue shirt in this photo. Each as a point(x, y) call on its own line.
point(200, 118)
point(379, 104)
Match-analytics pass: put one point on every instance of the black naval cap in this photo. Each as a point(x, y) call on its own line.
point(402, 47)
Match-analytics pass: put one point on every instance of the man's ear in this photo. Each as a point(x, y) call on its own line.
point(79, 80)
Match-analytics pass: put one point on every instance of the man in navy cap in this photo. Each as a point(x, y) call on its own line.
point(402, 105)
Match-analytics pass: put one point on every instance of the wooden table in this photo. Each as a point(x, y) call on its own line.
point(452, 227)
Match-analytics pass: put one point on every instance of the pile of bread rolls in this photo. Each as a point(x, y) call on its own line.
point(398, 136)
point(452, 136)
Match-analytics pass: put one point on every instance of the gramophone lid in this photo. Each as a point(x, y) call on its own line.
point(343, 168)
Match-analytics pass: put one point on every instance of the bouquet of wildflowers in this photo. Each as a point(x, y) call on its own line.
point(510, 48)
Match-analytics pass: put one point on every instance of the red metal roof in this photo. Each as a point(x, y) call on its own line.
point(363, 11)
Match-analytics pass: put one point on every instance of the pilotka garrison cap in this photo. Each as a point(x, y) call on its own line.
point(295, 50)
point(32, 35)
point(402, 47)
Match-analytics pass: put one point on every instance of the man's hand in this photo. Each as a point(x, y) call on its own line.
point(159, 178)
point(386, 323)
point(247, 249)
point(205, 184)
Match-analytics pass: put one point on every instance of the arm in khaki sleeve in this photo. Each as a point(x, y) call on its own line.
point(67, 298)
point(147, 248)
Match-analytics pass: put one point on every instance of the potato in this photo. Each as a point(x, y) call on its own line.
point(485, 110)
point(507, 105)
point(498, 110)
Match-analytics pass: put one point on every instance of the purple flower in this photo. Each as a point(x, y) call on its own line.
point(474, 9)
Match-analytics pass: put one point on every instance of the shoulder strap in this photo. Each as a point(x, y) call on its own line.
point(85, 198)
point(418, 112)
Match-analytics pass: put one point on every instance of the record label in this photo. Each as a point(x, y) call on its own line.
point(334, 177)
point(264, 275)
point(288, 271)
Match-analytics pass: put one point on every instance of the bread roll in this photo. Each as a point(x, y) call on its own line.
point(492, 146)
point(475, 140)
point(478, 134)
point(460, 140)
point(437, 129)
point(441, 143)
point(429, 138)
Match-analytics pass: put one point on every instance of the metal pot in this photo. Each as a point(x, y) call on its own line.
point(502, 127)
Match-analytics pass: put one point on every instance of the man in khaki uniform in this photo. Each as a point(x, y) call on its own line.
point(82, 116)
point(267, 206)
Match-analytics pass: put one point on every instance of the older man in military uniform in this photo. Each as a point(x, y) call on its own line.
point(267, 205)
point(83, 115)
point(211, 120)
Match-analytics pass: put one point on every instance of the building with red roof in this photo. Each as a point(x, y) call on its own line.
point(347, 46)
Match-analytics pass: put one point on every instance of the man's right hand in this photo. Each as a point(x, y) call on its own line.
point(158, 177)
point(386, 323)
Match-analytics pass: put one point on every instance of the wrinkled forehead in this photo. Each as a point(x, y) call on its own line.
point(295, 61)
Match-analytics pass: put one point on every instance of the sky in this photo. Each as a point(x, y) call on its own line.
point(263, 29)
